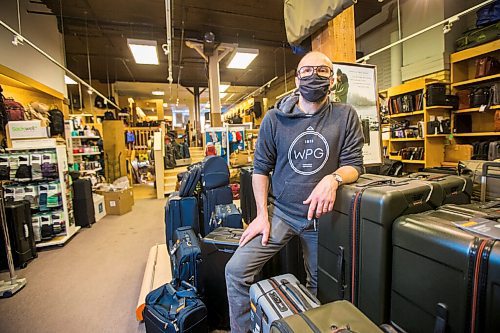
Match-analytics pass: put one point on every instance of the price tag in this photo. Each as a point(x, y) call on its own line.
point(482, 108)
point(112, 203)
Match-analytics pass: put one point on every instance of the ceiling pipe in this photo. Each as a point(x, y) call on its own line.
point(170, 50)
point(73, 75)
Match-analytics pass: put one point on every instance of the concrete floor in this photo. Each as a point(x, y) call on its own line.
point(92, 283)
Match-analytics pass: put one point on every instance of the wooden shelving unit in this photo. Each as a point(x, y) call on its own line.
point(433, 144)
point(463, 71)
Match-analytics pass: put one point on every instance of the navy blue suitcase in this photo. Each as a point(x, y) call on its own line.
point(210, 199)
point(173, 309)
point(185, 256)
point(180, 212)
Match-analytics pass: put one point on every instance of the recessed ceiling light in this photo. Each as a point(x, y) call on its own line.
point(242, 57)
point(69, 80)
point(144, 51)
point(223, 87)
point(158, 92)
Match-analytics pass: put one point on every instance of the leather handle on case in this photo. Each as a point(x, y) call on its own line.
point(341, 273)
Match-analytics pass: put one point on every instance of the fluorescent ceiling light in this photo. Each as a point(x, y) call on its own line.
point(242, 58)
point(144, 51)
point(158, 93)
point(69, 80)
point(223, 87)
point(165, 105)
point(222, 95)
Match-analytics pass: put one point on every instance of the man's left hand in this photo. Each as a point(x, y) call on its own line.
point(322, 198)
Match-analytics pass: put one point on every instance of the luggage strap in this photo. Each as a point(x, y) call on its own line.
point(297, 294)
point(479, 282)
point(309, 323)
point(277, 288)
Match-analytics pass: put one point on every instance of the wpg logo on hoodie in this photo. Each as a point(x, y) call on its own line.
point(308, 152)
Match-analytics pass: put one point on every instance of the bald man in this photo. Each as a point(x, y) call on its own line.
point(312, 146)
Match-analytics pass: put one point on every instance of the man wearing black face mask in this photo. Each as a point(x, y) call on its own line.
point(312, 146)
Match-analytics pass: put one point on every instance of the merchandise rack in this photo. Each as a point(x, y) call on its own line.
point(62, 166)
point(463, 70)
point(433, 144)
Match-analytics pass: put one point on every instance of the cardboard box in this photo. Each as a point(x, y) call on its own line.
point(118, 202)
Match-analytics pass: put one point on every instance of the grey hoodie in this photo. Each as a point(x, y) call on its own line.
point(301, 149)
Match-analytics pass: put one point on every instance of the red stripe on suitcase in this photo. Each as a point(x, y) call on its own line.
point(475, 290)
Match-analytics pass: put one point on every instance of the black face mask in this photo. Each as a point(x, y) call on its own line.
point(314, 88)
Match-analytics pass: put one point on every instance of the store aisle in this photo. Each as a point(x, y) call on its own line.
point(92, 284)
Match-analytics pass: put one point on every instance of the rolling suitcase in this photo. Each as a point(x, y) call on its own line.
point(228, 216)
point(190, 180)
point(22, 239)
point(210, 199)
point(185, 255)
point(217, 248)
point(485, 177)
point(277, 298)
point(247, 199)
point(175, 309)
point(214, 172)
point(457, 271)
point(83, 203)
point(180, 212)
point(354, 258)
point(456, 189)
point(340, 316)
point(494, 151)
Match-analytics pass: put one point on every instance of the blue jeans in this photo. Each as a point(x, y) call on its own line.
point(248, 261)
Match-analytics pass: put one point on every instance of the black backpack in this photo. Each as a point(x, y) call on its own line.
point(99, 102)
point(108, 115)
point(56, 118)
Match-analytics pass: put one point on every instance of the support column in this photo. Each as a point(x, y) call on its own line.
point(159, 110)
point(196, 95)
point(396, 60)
point(213, 85)
point(337, 38)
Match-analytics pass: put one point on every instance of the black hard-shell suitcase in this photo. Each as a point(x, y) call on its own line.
point(443, 275)
point(22, 239)
point(210, 199)
point(456, 189)
point(185, 255)
point(83, 204)
point(215, 172)
point(340, 316)
point(354, 259)
point(276, 298)
point(247, 199)
point(228, 216)
point(180, 212)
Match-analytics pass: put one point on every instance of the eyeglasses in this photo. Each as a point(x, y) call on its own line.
point(307, 71)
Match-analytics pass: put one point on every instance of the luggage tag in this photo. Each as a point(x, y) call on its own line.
point(175, 247)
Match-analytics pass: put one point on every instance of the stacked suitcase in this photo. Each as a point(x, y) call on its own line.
point(443, 276)
point(354, 260)
point(22, 240)
point(83, 203)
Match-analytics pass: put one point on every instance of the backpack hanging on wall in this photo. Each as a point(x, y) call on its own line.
point(14, 110)
point(99, 102)
point(56, 118)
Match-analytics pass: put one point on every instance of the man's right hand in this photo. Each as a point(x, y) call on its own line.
point(259, 226)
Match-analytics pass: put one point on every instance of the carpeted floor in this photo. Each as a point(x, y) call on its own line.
point(92, 283)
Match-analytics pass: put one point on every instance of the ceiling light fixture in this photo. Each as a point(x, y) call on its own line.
point(158, 93)
point(242, 57)
point(144, 51)
point(68, 80)
point(223, 87)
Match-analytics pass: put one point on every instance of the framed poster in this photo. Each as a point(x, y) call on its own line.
point(356, 84)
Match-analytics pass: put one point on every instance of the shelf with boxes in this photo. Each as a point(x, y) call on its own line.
point(420, 122)
point(40, 176)
point(85, 148)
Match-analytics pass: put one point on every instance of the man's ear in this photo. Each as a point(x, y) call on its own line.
point(297, 82)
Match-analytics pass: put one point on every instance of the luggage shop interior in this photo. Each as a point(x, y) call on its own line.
point(129, 131)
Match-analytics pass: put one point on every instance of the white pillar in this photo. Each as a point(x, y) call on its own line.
point(396, 60)
point(213, 84)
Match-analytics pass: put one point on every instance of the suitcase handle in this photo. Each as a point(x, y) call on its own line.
point(341, 272)
point(484, 178)
point(441, 318)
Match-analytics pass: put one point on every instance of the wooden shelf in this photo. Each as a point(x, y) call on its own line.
point(437, 135)
point(474, 81)
point(439, 107)
point(477, 134)
point(59, 240)
point(406, 114)
point(86, 137)
point(406, 139)
point(91, 171)
point(83, 154)
point(475, 51)
point(493, 107)
point(413, 161)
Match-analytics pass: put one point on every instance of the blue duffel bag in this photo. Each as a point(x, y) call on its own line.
point(171, 310)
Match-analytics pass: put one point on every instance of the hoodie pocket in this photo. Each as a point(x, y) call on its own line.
point(296, 192)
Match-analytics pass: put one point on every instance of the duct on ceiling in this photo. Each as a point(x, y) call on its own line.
point(303, 18)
